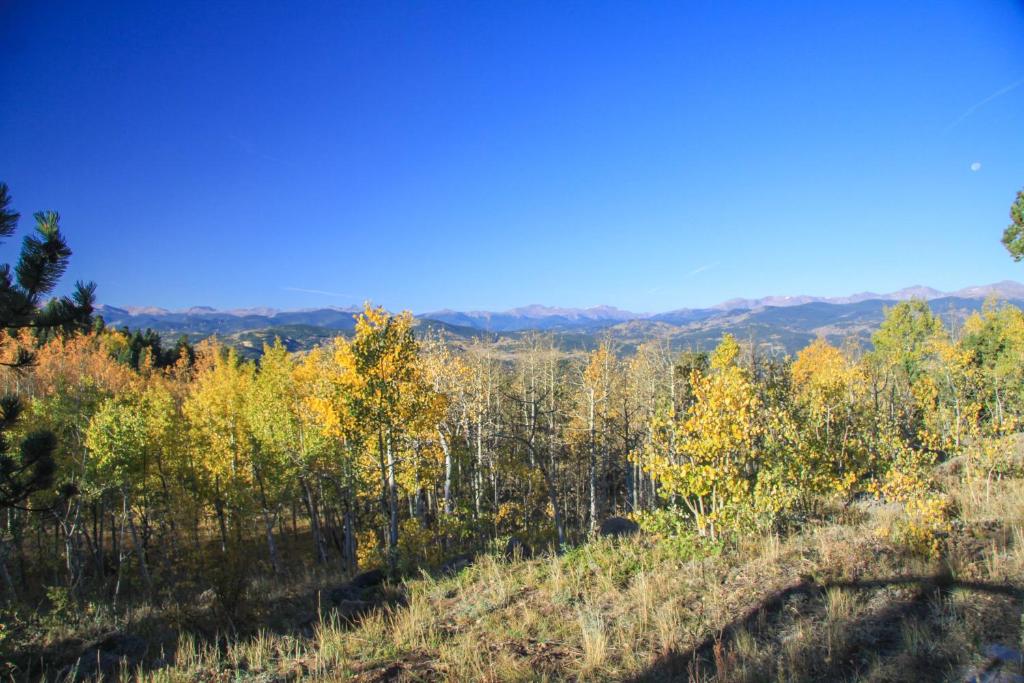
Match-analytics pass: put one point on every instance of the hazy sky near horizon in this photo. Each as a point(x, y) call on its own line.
point(485, 155)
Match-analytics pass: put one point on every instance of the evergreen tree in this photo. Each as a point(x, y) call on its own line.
point(44, 257)
point(1013, 236)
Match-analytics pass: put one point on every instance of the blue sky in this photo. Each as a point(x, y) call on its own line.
point(491, 154)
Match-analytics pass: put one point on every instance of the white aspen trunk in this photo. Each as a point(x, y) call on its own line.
point(447, 471)
point(592, 464)
point(139, 553)
point(314, 520)
point(392, 505)
point(478, 476)
point(268, 523)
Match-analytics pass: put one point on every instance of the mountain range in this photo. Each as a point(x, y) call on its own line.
point(783, 322)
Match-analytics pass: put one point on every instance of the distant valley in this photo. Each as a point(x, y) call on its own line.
point(779, 323)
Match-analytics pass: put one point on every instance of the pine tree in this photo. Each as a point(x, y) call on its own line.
point(1013, 236)
point(43, 259)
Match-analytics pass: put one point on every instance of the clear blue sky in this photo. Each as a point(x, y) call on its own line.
point(491, 154)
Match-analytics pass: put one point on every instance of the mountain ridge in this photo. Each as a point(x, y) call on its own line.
point(785, 324)
point(1005, 289)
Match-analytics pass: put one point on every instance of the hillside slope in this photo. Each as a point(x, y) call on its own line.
point(839, 598)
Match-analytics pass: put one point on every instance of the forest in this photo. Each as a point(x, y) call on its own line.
point(154, 476)
point(385, 450)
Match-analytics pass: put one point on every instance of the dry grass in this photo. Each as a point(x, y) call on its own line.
point(982, 499)
point(833, 602)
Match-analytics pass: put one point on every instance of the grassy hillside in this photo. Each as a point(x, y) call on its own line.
point(839, 597)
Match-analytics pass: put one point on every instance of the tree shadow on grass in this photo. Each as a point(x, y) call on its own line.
point(151, 642)
point(875, 636)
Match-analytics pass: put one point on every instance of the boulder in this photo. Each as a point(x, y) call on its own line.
point(343, 592)
point(456, 564)
point(352, 610)
point(108, 655)
point(369, 579)
point(517, 549)
point(618, 526)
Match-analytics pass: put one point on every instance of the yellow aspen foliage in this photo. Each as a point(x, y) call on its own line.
point(380, 383)
point(317, 382)
point(709, 460)
point(946, 395)
point(129, 438)
point(824, 379)
point(829, 395)
point(996, 338)
point(909, 481)
point(218, 426)
point(368, 550)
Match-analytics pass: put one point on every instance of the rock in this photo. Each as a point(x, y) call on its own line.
point(106, 656)
point(369, 579)
point(346, 610)
point(343, 592)
point(618, 526)
point(517, 549)
point(456, 564)
point(352, 610)
point(355, 589)
point(122, 644)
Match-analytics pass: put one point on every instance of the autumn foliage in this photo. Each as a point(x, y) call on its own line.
point(388, 449)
